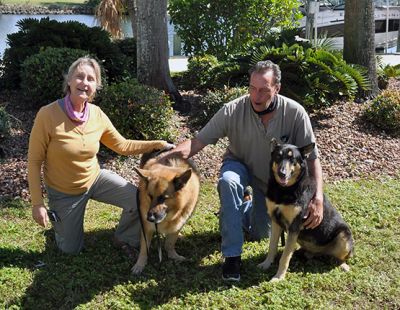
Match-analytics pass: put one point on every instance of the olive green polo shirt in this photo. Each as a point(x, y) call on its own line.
point(249, 139)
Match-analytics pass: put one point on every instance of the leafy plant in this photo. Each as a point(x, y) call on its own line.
point(42, 74)
point(222, 28)
point(314, 77)
point(213, 101)
point(384, 111)
point(137, 111)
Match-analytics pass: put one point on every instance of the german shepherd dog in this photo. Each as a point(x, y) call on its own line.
point(290, 189)
point(168, 194)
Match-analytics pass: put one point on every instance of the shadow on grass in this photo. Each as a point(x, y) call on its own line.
point(63, 281)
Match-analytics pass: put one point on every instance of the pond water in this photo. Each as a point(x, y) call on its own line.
point(8, 24)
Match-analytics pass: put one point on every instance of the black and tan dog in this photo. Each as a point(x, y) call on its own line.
point(168, 196)
point(290, 190)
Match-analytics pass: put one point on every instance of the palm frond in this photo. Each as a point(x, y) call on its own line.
point(109, 13)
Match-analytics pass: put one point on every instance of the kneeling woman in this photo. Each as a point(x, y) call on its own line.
point(65, 139)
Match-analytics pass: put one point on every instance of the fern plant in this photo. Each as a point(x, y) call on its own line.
point(313, 76)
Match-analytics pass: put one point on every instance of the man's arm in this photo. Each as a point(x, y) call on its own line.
point(315, 210)
point(186, 149)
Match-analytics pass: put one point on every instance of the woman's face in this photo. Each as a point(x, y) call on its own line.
point(82, 84)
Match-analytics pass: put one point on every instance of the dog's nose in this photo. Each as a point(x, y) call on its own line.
point(151, 217)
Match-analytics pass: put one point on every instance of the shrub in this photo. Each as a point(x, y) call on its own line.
point(42, 74)
point(384, 111)
point(206, 72)
point(137, 111)
point(127, 47)
point(213, 101)
point(5, 124)
point(33, 35)
point(198, 73)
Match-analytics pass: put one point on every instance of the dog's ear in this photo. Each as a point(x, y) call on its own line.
point(305, 151)
point(274, 144)
point(144, 174)
point(180, 180)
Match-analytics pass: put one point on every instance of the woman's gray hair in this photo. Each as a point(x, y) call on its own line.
point(86, 60)
point(267, 65)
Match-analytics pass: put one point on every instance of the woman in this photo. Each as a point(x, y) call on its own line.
point(65, 138)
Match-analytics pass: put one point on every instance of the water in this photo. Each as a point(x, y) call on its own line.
point(8, 24)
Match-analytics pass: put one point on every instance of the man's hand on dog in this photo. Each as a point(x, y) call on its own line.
point(315, 213)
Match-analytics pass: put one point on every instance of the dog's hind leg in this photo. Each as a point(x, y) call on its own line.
point(342, 248)
point(290, 247)
point(276, 231)
point(170, 241)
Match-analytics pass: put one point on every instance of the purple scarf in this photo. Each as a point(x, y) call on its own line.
point(78, 117)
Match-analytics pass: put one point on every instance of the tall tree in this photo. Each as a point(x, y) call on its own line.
point(149, 25)
point(359, 38)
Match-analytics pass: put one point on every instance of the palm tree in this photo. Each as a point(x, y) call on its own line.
point(359, 39)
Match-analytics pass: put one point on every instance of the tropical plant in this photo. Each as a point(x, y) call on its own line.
point(222, 28)
point(314, 77)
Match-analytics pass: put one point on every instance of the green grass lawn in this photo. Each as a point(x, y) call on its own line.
point(100, 277)
point(43, 2)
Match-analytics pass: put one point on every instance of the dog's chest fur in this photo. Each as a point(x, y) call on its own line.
point(287, 205)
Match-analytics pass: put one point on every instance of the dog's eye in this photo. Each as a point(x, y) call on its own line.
point(161, 198)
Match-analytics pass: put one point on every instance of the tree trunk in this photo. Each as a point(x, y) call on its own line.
point(359, 39)
point(152, 47)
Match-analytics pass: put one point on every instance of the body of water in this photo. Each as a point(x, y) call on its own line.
point(8, 24)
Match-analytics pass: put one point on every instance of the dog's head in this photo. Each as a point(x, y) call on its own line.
point(161, 187)
point(288, 162)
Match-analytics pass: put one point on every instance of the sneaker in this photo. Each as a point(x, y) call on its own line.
point(231, 268)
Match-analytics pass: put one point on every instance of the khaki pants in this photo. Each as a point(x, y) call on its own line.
point(108, 188)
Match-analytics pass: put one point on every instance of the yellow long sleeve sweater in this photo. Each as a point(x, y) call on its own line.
point(68, 152)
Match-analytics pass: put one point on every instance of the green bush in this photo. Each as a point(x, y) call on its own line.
point(206, 72)
point(199, 70)
point(137, 111)
point(5, 124)
point(213, 101)
point(384, 111)
point(34, 35)
point(127, 47)
point(42, 74)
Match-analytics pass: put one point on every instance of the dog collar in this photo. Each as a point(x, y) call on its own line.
point(270, 108)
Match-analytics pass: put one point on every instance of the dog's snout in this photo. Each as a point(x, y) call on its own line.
point(151, 216)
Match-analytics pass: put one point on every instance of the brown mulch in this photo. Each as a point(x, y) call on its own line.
point(349, 148)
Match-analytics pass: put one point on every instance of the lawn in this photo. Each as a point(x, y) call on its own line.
point(33, 275)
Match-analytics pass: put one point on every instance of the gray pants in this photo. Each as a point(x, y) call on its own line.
point(108, 188)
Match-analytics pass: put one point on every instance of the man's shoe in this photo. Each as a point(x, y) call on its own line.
point(231, 268)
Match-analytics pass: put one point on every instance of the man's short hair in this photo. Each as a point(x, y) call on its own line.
point(267, 65)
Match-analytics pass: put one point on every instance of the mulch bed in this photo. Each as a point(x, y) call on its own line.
point(349, 148)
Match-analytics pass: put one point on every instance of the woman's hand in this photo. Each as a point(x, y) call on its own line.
point(39, 214)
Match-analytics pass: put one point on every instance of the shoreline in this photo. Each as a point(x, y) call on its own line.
point(27, 9)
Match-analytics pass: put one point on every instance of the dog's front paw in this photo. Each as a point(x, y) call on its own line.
point(265, 265)
point(137, 269)
point(277, 278)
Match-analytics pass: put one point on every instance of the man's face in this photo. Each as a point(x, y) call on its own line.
point(262, 89)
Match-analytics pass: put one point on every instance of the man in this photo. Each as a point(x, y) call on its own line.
point(250, 122)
